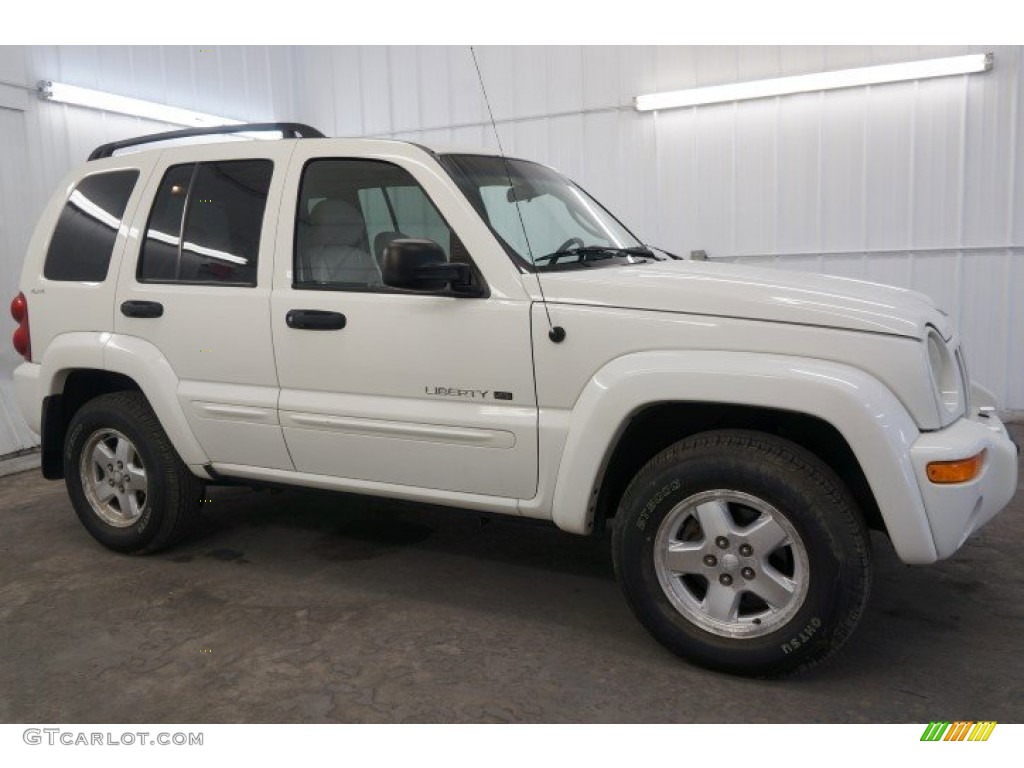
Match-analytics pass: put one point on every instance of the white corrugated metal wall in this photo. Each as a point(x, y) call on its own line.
point(914, 184)
point(40, 142)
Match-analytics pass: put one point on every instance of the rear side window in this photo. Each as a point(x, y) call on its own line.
point(205, 224)
point(83, 240)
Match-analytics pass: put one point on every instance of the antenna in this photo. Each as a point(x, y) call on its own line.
point(555, 332)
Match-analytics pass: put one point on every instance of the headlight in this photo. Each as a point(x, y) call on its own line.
point(946, 378)
point(965, 379)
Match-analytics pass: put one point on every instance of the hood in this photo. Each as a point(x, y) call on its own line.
point(751, 293)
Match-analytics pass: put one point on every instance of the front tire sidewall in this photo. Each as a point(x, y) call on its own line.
point(142, 532)
point(835, 591)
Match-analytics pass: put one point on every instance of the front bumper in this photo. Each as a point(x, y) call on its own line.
point(955, 511)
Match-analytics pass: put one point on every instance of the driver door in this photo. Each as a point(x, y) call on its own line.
point(408, 389)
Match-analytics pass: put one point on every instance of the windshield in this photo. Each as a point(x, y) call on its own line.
point(564, 226)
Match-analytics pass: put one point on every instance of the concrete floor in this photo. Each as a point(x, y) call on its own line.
point(299, 606)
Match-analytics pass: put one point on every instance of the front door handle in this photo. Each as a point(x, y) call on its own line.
point(315, 320)
point(142, 309)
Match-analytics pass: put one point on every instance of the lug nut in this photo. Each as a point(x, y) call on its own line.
point(120, 465)
point(725, 579)
point(110, 467)
point(722, 542)
point(710, 561)
point(746, 550)
point(748, 573)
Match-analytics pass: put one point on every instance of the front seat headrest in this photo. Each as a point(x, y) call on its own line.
point(336, 222)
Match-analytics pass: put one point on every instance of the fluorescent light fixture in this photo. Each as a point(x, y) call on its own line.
point(818, 81)
point(110, 102)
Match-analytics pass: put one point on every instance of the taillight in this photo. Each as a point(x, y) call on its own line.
point(21, 338)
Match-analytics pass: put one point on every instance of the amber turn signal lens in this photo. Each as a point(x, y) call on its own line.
point(959, 471)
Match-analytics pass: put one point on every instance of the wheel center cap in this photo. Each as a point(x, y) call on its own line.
point(730, 562)
point(118, 477)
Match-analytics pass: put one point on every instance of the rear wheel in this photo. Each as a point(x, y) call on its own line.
point(126, 482)
point(743, 552)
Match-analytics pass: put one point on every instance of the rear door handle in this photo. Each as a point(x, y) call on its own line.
point(142, 309)
point(315, 320)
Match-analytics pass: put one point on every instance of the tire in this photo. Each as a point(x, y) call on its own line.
point(784, 588)
point(126, 482)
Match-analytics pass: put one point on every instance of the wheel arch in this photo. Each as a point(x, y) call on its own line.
point(70, 389)
point(658, 425)
point(79, 367)
point(830, 407)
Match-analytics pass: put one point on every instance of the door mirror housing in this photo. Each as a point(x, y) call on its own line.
point(421, 265)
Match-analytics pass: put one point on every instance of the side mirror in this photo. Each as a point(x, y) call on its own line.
point(421, 265)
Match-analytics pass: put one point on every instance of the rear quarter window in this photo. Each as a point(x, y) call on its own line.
point(83, 240)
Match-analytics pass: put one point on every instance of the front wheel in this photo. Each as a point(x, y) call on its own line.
point(743, 552)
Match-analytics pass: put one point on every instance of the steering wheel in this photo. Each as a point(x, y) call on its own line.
point(569, 243)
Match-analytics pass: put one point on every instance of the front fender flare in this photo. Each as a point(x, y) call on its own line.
point(874, 423)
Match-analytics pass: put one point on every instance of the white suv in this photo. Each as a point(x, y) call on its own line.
point(464, 329)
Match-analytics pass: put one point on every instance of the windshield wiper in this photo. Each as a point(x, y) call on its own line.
point(587, 253)
point(667, 253)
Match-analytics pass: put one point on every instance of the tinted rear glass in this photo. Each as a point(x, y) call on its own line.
point(84, 237)
point(206, 222)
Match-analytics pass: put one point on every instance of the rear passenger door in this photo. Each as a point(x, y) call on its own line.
point(196, 284)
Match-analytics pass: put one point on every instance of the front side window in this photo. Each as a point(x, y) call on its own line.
point(543, 220)
point(83, 240)
point(349, 211)
point(206, 222)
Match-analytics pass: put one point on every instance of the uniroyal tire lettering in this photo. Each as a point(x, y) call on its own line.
point(803, 637)
point(659, 497)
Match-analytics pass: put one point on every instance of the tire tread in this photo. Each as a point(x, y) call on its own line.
point(782, 455)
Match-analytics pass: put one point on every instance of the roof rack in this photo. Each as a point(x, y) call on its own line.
point(288, 131)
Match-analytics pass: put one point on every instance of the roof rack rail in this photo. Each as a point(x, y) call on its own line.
point(288, 131)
